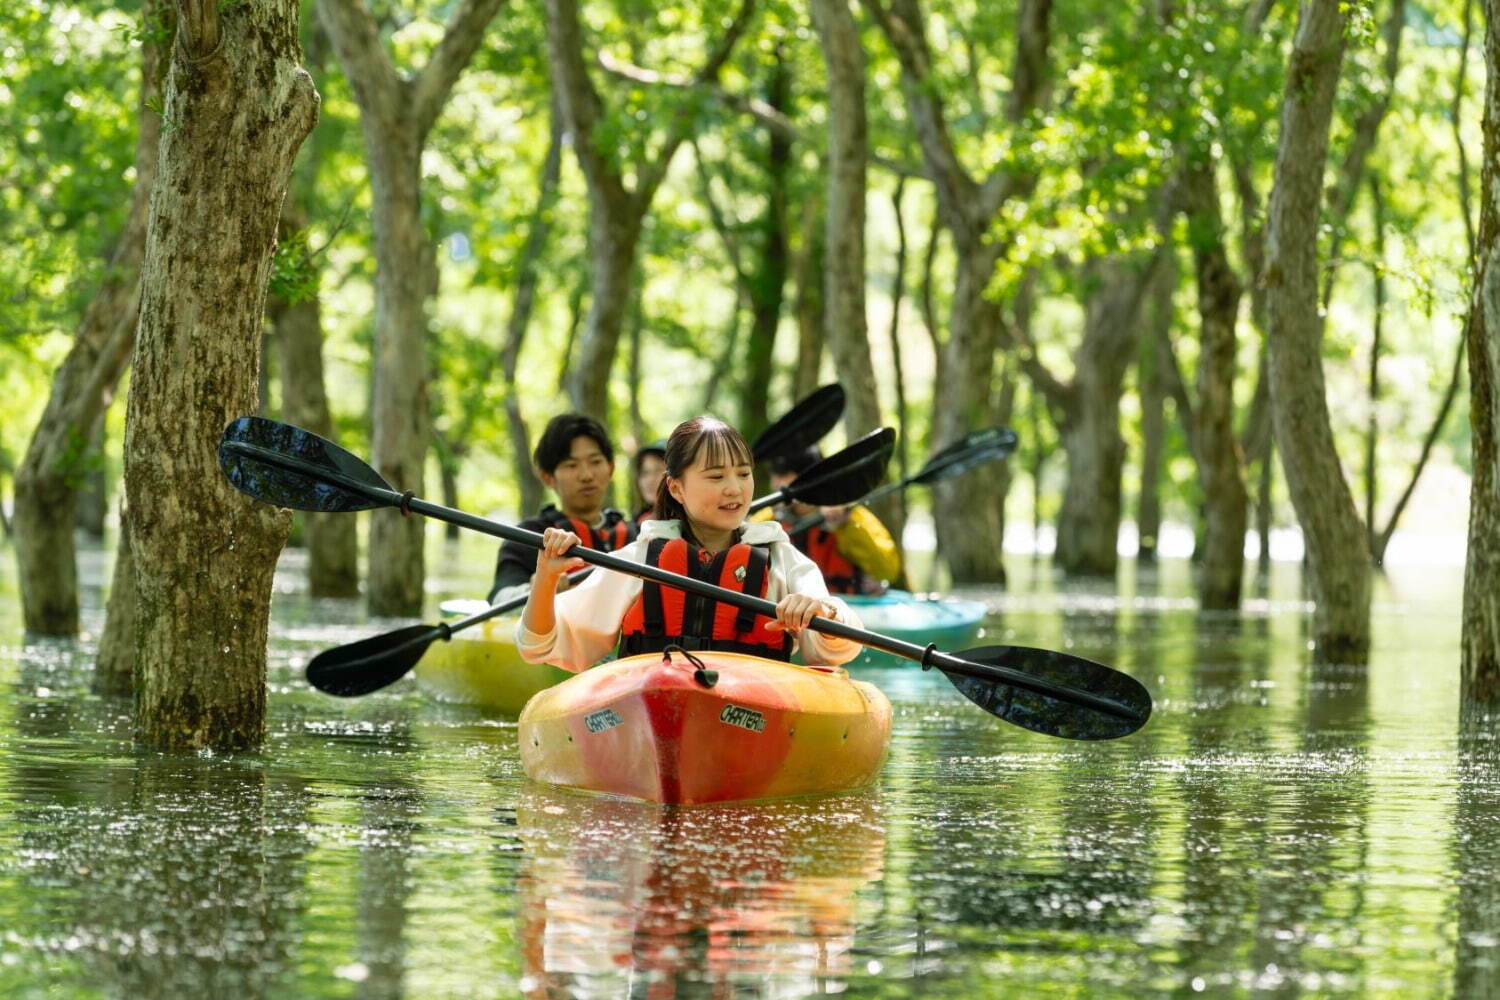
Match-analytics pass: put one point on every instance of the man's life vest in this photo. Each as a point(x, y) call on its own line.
point(615, 532)
point(820, 545)
point(663, 616)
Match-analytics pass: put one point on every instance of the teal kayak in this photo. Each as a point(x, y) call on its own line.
point(950, 622)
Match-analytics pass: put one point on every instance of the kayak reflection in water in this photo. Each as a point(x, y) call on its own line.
point(699, 529)
point(622, 898)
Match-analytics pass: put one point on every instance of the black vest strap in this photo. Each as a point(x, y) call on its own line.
point(755, 579)
point(653, 618)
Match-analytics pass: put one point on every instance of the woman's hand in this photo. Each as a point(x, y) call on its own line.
point(553, 561)
point(795, 611)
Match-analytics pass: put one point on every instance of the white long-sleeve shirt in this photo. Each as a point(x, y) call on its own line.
point(588, 617)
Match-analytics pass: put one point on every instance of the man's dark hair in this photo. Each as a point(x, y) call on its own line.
point(556, 442)
point(797, 462)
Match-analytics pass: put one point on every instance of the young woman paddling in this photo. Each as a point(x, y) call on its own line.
point(699, 530)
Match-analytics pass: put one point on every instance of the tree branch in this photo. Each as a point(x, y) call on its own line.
point(903, 27)
point(461, 39)
point(771, 118)
point(720, 223)
point(356, 41)
point(650, 177)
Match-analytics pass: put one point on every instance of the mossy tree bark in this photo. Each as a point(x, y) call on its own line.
point(238, 104)
point(48, 479)
point(1337, 546)
point(1480, 661)
point(1226, 502)
point(396, 114)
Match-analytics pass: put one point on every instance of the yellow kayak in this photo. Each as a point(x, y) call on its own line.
point(480, 666)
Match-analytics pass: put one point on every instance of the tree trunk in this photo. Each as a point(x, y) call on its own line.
point(1337, 546)
point(894, 512)
point(114, 670)
point(768, 281)
point(1480, 663)
point(1088, 526)
point(396, 114)
point(520, 316)
point(1153, 412)
point(240, 105)
point(1217, 449)
point(844, 285)
point(1377, 336)
point(331, 539)
point(47, 480)
point(810, 331)
point(93, 494)
point(968, 510)
point(614, 232)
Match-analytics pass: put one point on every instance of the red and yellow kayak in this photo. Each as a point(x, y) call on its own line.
point(655, 728)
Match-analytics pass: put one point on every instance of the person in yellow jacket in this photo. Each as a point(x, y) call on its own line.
point(851, 546)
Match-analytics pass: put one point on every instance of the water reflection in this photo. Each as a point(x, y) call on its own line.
point(1476, 859)
point(1277, 829)
point(622, 898)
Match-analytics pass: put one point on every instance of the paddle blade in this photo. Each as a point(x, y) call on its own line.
point(847, 475)
point(804, 425)
point(1052, 715)
point(287, 466)
point(988, 445)
point(370, 664)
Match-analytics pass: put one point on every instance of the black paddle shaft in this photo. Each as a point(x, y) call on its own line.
point(928, 656)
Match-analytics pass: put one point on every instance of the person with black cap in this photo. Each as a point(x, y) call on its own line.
point(575, 459)
point(852, 547)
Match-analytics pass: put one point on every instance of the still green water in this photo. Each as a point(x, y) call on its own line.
point(1275, 830)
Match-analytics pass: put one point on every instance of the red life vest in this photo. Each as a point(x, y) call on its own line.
point(841, 575)
point(616, 532)
point(663, 616)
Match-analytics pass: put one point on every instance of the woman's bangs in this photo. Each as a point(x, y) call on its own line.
point(722, 445)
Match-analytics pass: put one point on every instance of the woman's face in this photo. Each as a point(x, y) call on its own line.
point(715, 496)
point(648, 475)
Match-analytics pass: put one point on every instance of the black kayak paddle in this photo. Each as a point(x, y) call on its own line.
point(969, 451)
point(802, 426)
point(1038, 689)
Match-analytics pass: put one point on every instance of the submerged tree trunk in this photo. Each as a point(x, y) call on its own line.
point(1217, 449)
point(114, 669)
point(1153, 410)
point(1337, 546)
point(240, 104)
point(48, 478)
point(1088, 526)
point(396, 116)
point(1480, 667)
point(968, 511)
point(331, 540)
